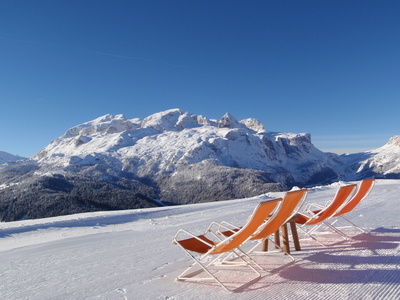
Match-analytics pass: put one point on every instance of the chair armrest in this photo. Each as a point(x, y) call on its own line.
point(226, 224)
point(314, 208)
point(182, 231)
point(228, 227)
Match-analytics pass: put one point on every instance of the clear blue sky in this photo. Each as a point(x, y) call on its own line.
point(330, 68)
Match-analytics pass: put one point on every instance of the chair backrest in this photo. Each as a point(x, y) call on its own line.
point(286, 210)
point(256, 219)
point(341, 196)
point(363, 191)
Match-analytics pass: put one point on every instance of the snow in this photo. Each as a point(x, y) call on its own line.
point(170, 139)
point(129, 254)
point(7, 157)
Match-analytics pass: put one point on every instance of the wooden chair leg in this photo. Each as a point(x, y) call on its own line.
point(264, 246)
point(285, 239)
point(295, 236)
point(277, 239)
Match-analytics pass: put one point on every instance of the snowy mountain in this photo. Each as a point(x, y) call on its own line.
point(170, 142)
point(382, 162)
point(117, 163)
point(7, 157)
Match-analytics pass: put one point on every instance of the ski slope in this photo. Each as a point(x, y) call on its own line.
point(129, 254)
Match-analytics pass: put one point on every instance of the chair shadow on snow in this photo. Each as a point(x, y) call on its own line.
point(367, 258)
point(235, 279)
point(371, 257)
point(386, 230)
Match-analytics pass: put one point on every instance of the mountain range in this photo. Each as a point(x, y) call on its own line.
point(173, 157)
point(8, 157)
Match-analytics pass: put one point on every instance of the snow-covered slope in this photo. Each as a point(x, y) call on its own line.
point(117, 163)
point(384, 161)
point(169, 141)
point(129, 255)
point(7, 157)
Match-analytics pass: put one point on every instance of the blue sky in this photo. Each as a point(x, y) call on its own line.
point(330, 68)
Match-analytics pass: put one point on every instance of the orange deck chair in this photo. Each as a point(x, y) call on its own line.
point(363, 191)
point(309, 217)
point(204, 246)
point(289, 206)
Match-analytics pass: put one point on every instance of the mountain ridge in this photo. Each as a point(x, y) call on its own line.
point(6, 157)
point(179, 158)
point(168, 141)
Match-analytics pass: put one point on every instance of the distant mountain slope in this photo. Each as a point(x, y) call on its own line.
point(168, 142)
point(175, 157)
point(7, 157)
point(382, 162)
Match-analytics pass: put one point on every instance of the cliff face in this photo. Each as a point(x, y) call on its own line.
point(168, 141)
point(176, 157)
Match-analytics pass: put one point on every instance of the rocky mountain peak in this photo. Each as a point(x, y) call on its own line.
point(162, 121)
point(104, 124)
point(395, 140)
point(253, 124)
point(115, 163)
point(228, 121)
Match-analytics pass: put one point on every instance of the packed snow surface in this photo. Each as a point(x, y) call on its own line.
point(129, 254)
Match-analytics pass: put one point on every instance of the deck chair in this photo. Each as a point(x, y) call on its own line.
point(200, 247)
point(288, 207)
point(316, 217)
point(363, 190)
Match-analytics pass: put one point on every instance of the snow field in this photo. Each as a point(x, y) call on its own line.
point(129, 254)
